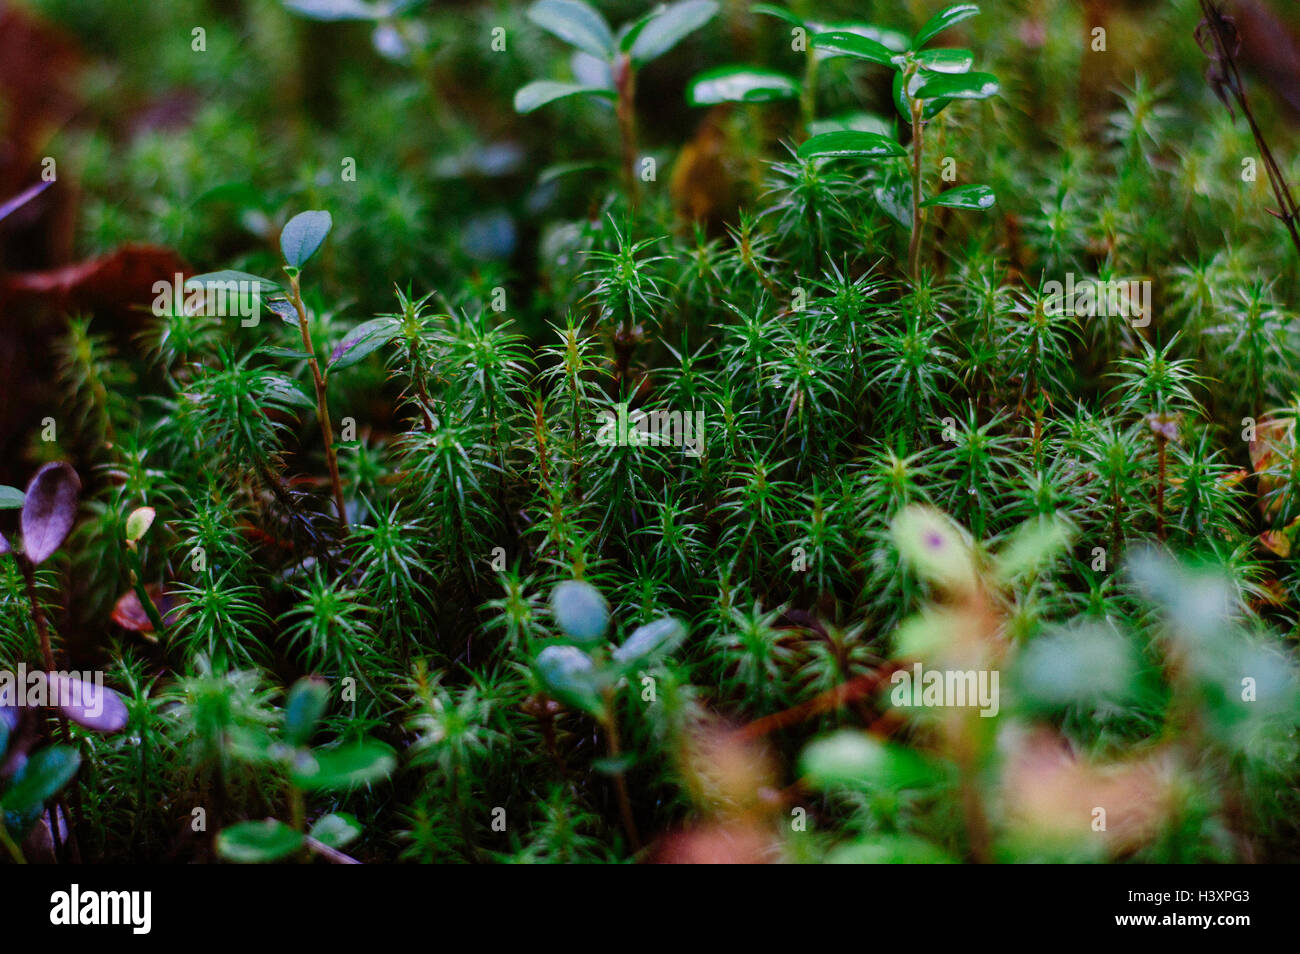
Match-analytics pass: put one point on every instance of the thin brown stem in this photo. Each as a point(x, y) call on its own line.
point(918, 213)
point(625, 85)
point(322, 405)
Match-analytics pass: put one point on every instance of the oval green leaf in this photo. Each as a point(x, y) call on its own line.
point(11, 498)
point(949, 16)
point(956, 86)
point(303, 235)
point(540, 92)
point(669, 25)
point(857, 760)
point(258, 842)
point(363, 340)
point(568, 674)
point(44, 776)
point(740, 84)
point(842, 43)
point(576, 23)
point(650, 641)
point(336, 830)
point(944, 60)
point(864, 145)
point(306, 703)
point(346, 767)
point(580, 611)
point(974, 197)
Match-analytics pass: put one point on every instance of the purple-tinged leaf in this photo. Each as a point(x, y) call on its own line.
point(49, 510)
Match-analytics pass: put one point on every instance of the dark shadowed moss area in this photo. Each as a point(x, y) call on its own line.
point(481, 432)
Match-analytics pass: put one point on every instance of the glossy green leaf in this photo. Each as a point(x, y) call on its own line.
point(306, 703)
point(346, 767)
point(851, 44)
point(43, 777)
point(363, 340)
point(650, 642)
point(955, 86)
point(303, 235)
point(258, 842)
point(568, 674)
point(580, 611)
point(893, 40)
point(945, 18)
point(576, 23)
point(540, 92)
point(976, 198)
point(944, 60)
point(11, 498)
point(929, 108)
point(336, 830)
point(851, 143)
point(669, 25)
point(740, 84)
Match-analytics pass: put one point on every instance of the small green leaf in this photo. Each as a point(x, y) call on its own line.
point(850, 143)
point(649, 642)
point(576, 23)
point(740, 84)
point(955, 86)
point(540, 92)
point(258, 842)
point(580, 611)
point(669, 25)
point(363, 340)
point(568, 674)
point(289, 354)
point(949, 16)
point(303, 234)
point(346, 767)
point(139, 522)
point(974, 197)
point(306, 703)
point(336, 830)
point(892, 40)
point(857, 760)
point(842, 43)
point(287, 391)
point(43, 777)
point(944, 60)
point(11, 498)
point(929, 109)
